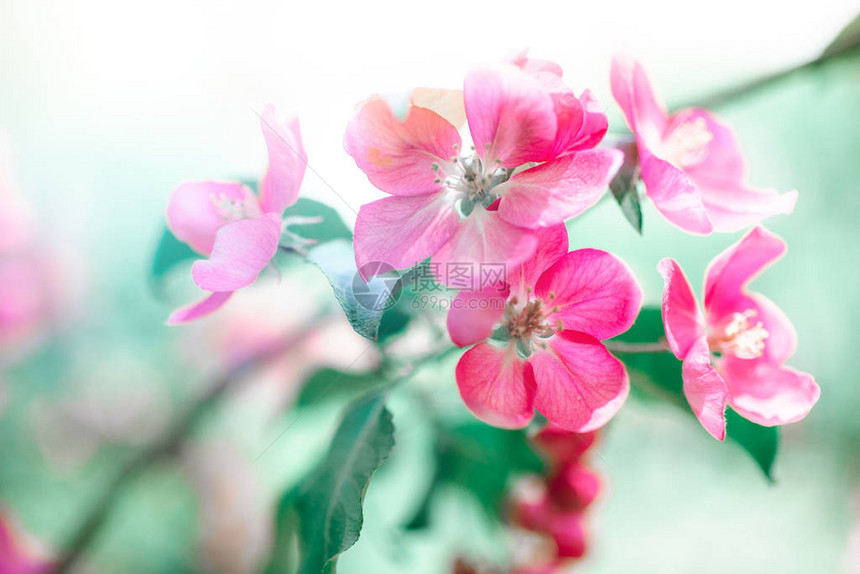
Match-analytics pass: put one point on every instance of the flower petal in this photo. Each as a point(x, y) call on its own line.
point(594, 124)
point(398, 156)
point(511, 117)
point(645, 114)
point(242, 249)
point(552, 245)
point(198, 209)
point(722, 162)
point(447, 103)
point(594, 292)
point(554, 191)
point(279, 187)
point(579, 384)
point(205, 306)
point(705, 389)
point(474, 314)
point(674, 196)
point(735, 207)
point(484, 238)
point(730, 271)
point(493, 386)
point(682, 317)
point(769, 394)
point(403, 231)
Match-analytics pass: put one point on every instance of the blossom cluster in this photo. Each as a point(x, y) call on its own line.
point(555, 506)
point(532, 164)
point(488, 175)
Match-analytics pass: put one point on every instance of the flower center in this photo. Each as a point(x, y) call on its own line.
point(687, 144)
point(529, 322)
point(740, 336)
point(230, 209)
point(474, 181)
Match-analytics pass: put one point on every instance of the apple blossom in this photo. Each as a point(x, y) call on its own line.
point(18, 553)
point(690, 162)
point(530, 166)
point(553, 314)
point(733, 353)
point(555, 505)
point(236, 229)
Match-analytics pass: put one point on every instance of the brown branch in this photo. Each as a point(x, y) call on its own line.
point(84, 535)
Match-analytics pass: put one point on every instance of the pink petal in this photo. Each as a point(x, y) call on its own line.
point(781, 340)
point(594, 292)
point(198, 209)
point(580, 385)
point(682, 318)
point(729, 272)
point(279, 187)
point(511, 117)
point(474, 314)
point(403, 231)
point(645, 114)
point(205, 306)
point(552, 245)
point(242, 249)
point(769, 394)
point(705, 389)
point(447, 103)
point(493, 386)
point(674, 196)
point(722, 162)
point(594, 124)
point(484, 237)
point(535, 66)
point(735, 207)
point(552, 192)
point(398, 156)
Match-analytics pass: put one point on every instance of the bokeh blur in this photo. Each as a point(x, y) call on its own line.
point(108, 105)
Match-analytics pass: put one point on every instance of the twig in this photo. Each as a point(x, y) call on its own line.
point(84, 535)
point(725, 96)
point(634, 348)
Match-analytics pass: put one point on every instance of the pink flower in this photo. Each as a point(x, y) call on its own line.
point(554, 312)
point(690, 163)
point(38, 290)
point(481, 206)
point(734, 352)
point(18, 553)
point(237, 230)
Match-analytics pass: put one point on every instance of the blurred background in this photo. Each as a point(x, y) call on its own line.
point(108, 105)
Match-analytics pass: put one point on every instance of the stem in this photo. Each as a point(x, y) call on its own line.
point(636, 348)
point(725, 96)
point(84, 535)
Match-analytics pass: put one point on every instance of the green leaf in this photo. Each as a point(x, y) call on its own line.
point(624, 190)
point(364, 303)
point(480, 460)
point(329, 227)
point(762, 443)
point(329, 502)
point(658, 375)
point(329, 383)
point(169, 253)
point(847, 39)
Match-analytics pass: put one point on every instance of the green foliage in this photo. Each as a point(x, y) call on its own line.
point(329, 501)
point(364, 303)
point(169, 253)
point(658, 375)
point(478, 459)
point(328, 225)
point(329, 383)
point(624, 190)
